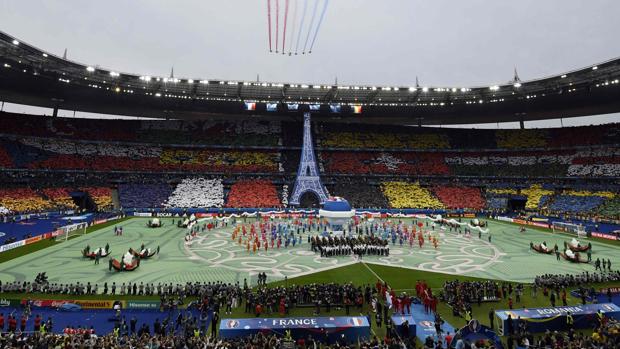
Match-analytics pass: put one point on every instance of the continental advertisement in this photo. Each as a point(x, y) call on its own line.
point(92, 304)
point(84, 303)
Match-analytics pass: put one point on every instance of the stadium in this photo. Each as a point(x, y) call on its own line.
point(193, 212)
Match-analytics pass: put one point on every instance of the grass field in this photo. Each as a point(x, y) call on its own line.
point(214, 256)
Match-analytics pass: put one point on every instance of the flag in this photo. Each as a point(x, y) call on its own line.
point(250, 106)
point(334, 108)
point(315, 107)
point(272, 106)
point(356, 109)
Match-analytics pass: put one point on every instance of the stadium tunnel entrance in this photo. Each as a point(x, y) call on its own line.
point(83, 200)
point(309, 199)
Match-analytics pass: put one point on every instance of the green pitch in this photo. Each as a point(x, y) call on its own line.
point(214, 256)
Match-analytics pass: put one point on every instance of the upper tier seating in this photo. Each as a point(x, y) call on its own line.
point(409, 195)
point(386, 140)
point(197, 192)
point(143, 195)
point(385, 163)
point(241, 133)
point(253, 193)
point(515, 139)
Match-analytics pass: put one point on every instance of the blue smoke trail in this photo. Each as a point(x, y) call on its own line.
point(316, 5)
point(319, 25)
point(301, 26)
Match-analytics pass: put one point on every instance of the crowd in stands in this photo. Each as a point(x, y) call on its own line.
point(405, 195)
point(253, 193)
point(203, 132)
point(23, 200)
point(384, 163)
point(359, 194)
point(60, 197)
point(102, 196)
point(143, 195)
point(459, 197)
point(197, 192)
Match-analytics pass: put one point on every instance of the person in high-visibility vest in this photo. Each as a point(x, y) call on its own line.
point(196, 333)
point(569, 321)
point(116, 331)
point(42, 329)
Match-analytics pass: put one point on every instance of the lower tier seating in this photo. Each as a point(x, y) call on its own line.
point(407, 195)
point(253, 193)
point(143, 195)
point(459, 197)
point(197, 192)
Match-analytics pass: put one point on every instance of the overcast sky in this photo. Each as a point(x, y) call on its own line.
point(383, 42)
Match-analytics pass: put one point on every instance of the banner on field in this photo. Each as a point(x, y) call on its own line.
point(13, 245)
point(94, 304)
point(146, 305)
point(331, 329)
point(86, 304)
point(34, 239)
point(554, 318)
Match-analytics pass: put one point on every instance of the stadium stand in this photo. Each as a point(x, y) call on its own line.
point(197, 192)
point(406, 195)
point(253, 193)
point(359, 193)
point(60, 197)
point(143, 195)
point(23, 200)
point(459, 197)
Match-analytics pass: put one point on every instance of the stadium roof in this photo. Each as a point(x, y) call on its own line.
point(31, 76)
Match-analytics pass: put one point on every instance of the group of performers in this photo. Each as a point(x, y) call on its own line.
point(118, 231)
point(345, 246)
point(266, 235)
point(571, 252)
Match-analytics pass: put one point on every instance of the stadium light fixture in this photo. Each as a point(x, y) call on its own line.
point(412, 89)
point(425, 89)
point(494, 88)
point(595, 67)
point(517, 84)
point(563, 76)
point(45, 55)
point(91, 69)
point(190, 81)
point(118, 89)
point(114, 74)
point(15, 42)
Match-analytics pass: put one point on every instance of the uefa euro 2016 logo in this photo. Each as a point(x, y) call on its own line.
point(232, 324)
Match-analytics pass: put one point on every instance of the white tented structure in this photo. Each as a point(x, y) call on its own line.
point(197, 192)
